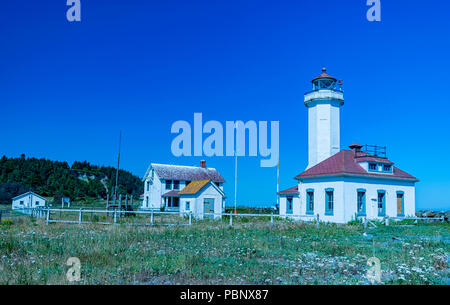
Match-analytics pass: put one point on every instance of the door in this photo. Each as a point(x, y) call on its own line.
point(381, 204)
point(400, 204)
point(208, 207)
point(289, 205)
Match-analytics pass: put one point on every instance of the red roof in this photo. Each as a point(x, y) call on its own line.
point(292, 190)
point(171, 193)
point(344, 163)
point(363, 156)
point(324, 75)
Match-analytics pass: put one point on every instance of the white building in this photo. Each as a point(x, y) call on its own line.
point(202, 197)
point(341, 185)
point(180, 188)
point(23, 203)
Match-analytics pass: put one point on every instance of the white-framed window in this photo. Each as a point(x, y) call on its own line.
point(168, 184)
point(310, 201)
point(188, 205)
point(21, 202)
point(387, 167)
point(329, 201)
point(176, 184)
point(372, 166)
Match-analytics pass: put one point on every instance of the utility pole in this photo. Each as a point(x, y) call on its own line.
point(117, 170)
point(235, 181)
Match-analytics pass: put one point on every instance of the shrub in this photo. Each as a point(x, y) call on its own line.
point(6, 222)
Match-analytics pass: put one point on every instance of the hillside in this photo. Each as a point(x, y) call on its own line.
point(55, 179)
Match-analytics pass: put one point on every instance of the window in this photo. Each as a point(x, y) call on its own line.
point(387, 167)
point(148, 186)
point(176, 184)
point(146, 201)
point(168, 184)
point(37, 203)
point(188, 205)
point(361, 202)
point(289, 205)
point(381, 202)
point(175, 202)
point(21, 202)
point(309, 201)
point(329, 201)
point(372, 166)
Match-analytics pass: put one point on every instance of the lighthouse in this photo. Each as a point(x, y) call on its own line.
point(323, 103)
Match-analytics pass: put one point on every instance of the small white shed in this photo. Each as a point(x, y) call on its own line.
point(27, 201)
point(202, 197)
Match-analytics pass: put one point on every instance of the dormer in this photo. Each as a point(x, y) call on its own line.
point(372, 158)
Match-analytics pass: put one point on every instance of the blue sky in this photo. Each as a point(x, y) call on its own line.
point(66, 89)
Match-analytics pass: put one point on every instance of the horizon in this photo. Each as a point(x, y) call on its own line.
point(67, 89)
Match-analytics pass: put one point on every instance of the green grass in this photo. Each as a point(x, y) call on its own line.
point(210, 252)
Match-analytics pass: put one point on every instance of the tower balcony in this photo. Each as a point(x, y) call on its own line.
point(324, 95)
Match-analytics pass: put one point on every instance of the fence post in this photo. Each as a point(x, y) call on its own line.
point(231, 219)
point(387, 221)
point(80, 217)
point(318, 221)
point(48, 215)
point(365, 222)
point(115, 215)
point(190, 218)
point(151, 218)
point(271, 218)
point(442, 218)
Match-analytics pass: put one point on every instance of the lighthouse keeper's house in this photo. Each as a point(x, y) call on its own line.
point(184, 189)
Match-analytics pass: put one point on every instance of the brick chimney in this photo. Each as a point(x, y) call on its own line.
point(203, 164)
point(356, 147)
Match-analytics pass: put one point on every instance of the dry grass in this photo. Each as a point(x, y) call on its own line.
point(210, 252)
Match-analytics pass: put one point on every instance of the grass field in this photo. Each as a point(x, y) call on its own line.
point(210, 252)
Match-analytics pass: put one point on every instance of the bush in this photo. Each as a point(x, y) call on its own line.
point(6, 222)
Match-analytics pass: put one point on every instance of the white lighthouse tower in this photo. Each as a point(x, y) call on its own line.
point(324, 103)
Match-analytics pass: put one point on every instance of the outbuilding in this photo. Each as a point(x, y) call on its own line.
point(27, 201)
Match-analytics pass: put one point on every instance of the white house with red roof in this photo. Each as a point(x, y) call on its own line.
point(342, 185)
point(166, 184)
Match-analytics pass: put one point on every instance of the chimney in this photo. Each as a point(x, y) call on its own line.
point(356, 147)
point(203, 164)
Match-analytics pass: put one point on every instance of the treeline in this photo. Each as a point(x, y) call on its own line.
point(55, 179)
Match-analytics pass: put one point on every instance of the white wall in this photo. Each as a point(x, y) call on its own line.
point(153, 193)
point(345, 197)
point(296, 205)
point(197, 202)
point(372, 186)
point(29, 201)
point(323, 131)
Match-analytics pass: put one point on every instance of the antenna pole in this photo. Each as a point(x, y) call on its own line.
point(117, 170)
point(278, 181)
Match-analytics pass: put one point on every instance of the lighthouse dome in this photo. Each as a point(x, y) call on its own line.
point(324, 81)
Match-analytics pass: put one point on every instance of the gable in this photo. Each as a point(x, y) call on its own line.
point(27, 194)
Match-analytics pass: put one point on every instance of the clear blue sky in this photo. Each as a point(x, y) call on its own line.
point(66, 89)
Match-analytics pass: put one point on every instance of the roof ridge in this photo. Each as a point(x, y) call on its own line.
point(190, 166)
